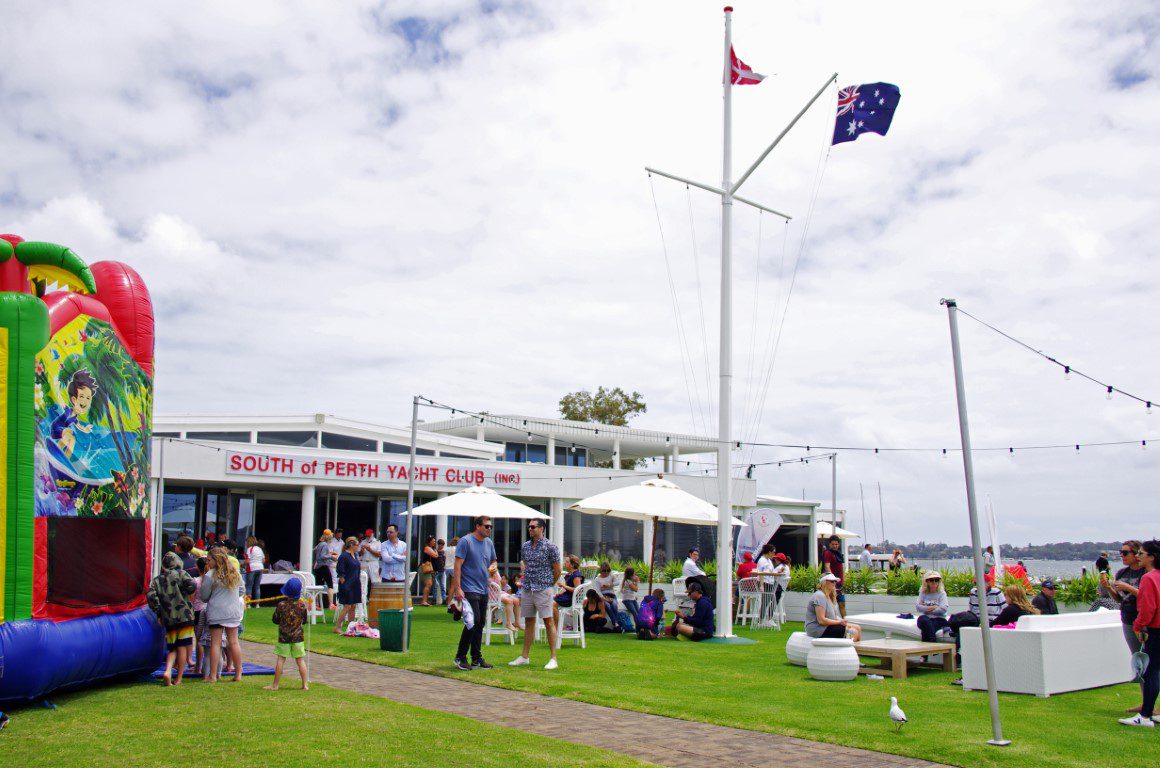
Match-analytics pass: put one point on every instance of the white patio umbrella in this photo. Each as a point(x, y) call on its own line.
point(479, 500)
point(655, 499)
point(825, 530)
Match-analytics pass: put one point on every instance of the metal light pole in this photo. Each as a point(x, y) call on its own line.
point(410, 515)
point(972, 511)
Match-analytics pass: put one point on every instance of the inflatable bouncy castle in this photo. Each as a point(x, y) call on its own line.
point(76, 401)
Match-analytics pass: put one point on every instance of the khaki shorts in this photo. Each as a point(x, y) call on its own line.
point(539, 602)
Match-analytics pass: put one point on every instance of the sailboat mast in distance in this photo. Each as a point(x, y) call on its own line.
point(881, 517)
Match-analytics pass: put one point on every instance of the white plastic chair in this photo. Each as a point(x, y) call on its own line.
point(748, 600)
point(571, 625)
point(313, 594)
point(495, 613)
point(680, 595)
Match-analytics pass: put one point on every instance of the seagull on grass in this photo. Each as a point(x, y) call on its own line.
point(896, 714)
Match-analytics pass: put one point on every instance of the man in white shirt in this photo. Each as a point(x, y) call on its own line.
point(865, 560)
point(393, 556)
point(368, 556)
point(690, 568)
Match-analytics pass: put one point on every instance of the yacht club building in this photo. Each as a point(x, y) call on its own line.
point(285, 479)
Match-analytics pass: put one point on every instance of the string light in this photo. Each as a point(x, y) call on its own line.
point(1067, 369)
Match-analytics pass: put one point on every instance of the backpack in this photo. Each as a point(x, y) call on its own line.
point(646, 616)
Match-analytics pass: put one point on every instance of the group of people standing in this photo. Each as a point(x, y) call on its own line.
point(1136, 588)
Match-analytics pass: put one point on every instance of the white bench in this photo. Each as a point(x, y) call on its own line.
point(1045, 655)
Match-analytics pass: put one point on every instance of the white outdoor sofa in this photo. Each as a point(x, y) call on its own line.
point(876, 626)
point(1045, 655)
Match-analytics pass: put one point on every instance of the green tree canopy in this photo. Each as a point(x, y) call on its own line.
point(607, 406)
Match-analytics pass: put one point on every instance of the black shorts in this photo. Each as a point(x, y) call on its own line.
point(699, 635)
point(322, 576)
point(834, 631)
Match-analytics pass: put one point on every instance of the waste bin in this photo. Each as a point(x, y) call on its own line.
point(391, 630)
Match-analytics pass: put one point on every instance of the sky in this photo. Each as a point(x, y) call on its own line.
point(339, 206)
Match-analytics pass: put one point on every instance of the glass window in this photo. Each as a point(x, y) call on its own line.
point(299, 439)
point(228, 437)
point(566, 456)
point(166, 434)
point(406, 449)
point(537, 454)
point(244, 517)
point(178, 515)
point(346, 442)
point(515, 452)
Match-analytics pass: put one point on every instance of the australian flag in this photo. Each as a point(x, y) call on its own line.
point(865, 109)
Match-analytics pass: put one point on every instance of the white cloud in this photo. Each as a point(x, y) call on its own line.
point(338, 207)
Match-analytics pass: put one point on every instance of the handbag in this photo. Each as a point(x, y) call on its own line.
point(426, 567)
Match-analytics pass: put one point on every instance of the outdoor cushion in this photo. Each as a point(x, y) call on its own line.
point(887, 624)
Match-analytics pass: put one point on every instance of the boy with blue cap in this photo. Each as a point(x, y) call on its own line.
point(290, 615)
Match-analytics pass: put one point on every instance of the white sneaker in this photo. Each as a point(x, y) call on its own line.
point(551, 664)
point(1138, 720)
point(518, 661)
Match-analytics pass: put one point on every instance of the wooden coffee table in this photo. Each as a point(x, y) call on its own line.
point(892, 654)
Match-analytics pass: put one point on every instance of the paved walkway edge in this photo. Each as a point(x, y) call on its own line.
point(662, 740)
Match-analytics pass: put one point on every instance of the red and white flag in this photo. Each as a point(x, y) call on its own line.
point(741, 73)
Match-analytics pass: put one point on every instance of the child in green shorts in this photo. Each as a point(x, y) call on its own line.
point(290, 615)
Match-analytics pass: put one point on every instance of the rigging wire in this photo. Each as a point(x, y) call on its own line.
point(820, 174)
point(682, 341)
point(710, 419)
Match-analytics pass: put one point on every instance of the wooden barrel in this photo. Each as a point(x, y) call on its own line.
point(383, 596)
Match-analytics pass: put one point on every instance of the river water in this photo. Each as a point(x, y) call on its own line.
point(1037, 569)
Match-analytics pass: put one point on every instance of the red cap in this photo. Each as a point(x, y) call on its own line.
point(747, 557)
point(728, 9)
point(369, 533)
point(779, 556)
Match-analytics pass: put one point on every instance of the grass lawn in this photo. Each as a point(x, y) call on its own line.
point(145, 724)
point(754, 687)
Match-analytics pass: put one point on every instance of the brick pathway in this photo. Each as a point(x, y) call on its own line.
point(662, 740)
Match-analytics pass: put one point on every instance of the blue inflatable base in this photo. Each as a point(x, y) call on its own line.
point(247, 670)
point(38, 657)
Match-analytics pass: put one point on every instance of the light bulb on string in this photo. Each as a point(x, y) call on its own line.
point(1143, 445)
point(1067, 373)
point(1148, 408)
point(1109, 395)
point(944, 452)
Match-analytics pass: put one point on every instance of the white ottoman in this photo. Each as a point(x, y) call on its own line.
point(797, 648)
point(833, 659)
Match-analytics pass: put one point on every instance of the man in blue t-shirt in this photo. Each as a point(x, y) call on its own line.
point(700, 625)
point(473, 556)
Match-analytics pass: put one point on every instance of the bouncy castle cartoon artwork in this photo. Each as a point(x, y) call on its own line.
point(76, 401)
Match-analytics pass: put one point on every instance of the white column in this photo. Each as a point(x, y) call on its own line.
point(646, 534)
point(813, 542)
point(616, 454)
point(551, 449)
point(671, 540)
point(441, 520)
point(574, 536)
point(156, 497)
point(306, 528)
point(668, 464)
point(556, 510)
point(676, 454)
point(479, 432)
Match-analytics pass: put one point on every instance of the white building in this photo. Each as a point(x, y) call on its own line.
point(285, 479)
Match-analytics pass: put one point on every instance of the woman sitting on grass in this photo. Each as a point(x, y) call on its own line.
point(1017, 605)
point(822, 616)
point(595, 619)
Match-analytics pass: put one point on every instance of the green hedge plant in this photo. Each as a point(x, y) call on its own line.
point(903, 582)
point(861, 581)
point(803, 578)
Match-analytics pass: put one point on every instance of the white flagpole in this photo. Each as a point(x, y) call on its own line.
point(725, 394)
